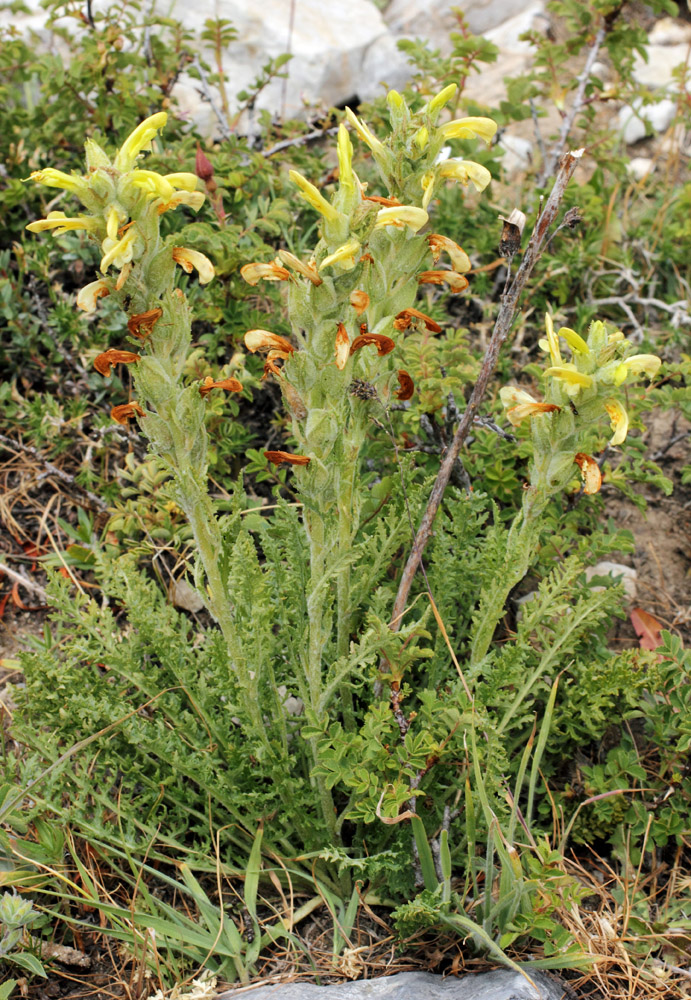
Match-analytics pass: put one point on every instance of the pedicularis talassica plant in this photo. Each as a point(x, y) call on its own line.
point(348, 306)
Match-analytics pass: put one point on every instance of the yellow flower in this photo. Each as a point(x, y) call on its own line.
point(315, 198)
point(402, 215)
point(255, 272)
point(637, 364)
point(421, 138)
point(442, 98)
point(57, 178)
point(345, 158)
point(138, 140)
point(464, 171)
point(343, 257)
point(189, 259)
point(520, 405)
point(552, 342)
point(88, 296)
point(469, 128)
point(619, 418)
point(308, 270)
point(264, 340)
point(575, 380)
point(152, 184)
point(366, 134)
point(193, 200)
point(442, 244)
point(119, 252)
point(62, 224)
point(574, 340)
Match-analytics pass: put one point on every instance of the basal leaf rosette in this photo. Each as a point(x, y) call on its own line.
point(581, 388)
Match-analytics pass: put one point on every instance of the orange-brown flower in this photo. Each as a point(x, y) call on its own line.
point(271, 369)
point(264, 340)
point(377, 198)
point(359, 300)
point(590, 471)
point(407, 385)
point(104, 362)
point(254, 273)
point(342, 349)
point(285, 456)
point(229, 384)
point(142, 325)
point(453, 279)
point(383, 344)
point(406, 317)
point(121, 414)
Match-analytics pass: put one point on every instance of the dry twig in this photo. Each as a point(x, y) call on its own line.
point(501, 331)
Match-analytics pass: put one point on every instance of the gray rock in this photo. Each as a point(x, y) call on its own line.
point(502, 984)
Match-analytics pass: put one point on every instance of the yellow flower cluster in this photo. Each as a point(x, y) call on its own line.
point(597, 366)
point(123, 204)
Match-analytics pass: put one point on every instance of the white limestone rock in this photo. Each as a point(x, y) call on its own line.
point(632, 118)
point(669, 42)
point(518, 154)
point(640, 167)
point(626, 575)
point(434, 19)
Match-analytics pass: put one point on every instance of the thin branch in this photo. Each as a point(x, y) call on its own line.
point(501, 331)
point(52, 470)
point(300, 140)
point(557, 150)
point(24, 582)
point(206, 91)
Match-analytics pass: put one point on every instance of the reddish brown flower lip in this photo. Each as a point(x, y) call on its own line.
point(406, 317)
point(142, 325)
point(104, 362)
point(383, 344)
point(285, 456)
point(407, 385)
point(270, 368)
point(121, 414)
point(590, 471)
point(229, 384)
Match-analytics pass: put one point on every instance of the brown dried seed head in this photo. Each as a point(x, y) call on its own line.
point(104, 362)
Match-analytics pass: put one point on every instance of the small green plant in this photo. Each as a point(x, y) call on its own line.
point(16, 916)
